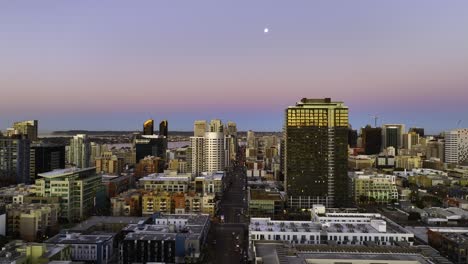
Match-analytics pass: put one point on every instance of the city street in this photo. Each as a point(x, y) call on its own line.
point(228, 241)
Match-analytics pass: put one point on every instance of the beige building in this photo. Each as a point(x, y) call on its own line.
point(373, 188)
point(408, 162)
point(32, 222)
point(110, 164)
point(127, 203)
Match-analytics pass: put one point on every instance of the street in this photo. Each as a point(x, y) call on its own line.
point(228, 241)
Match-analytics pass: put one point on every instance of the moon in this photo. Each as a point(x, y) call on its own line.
point(266, 30)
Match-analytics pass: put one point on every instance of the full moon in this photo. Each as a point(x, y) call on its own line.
point(265, 30)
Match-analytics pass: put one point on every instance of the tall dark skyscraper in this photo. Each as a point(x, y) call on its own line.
point(316, 153)
point(45, 158)
point(417, 130)
point(163, 128)
point(153, 145)
point(372, 140)
point(14, 159)
point(148, 127)
point(352, 138)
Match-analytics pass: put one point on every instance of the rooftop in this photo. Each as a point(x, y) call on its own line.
point(164, 177)
point(102, 220)
point(260, 194)
point(276, 253)
point(77, 238)
point(64, 172)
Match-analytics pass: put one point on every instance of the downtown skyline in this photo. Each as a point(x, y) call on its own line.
point(97, 66)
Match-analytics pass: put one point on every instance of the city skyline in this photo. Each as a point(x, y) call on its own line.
point(97, 66)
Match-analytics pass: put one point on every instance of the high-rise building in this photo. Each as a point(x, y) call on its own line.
point(371, 140)
point(232, 128)
point(163, 128)
point(199, 128)
point(80, 151)
point(215, 151)
point(14, 159)
point(352, 137)
point(76, 187)
point(198, 158)
point(28, 128)
point(216, 126)
point(251, 139)
point(410, 139)
point(392, 136)
point(44, 158)
point(96, 151)
point(417, 130)
point(456, 146)
point(435, 149)
point(316, 146)
point(148, 127)
point(154, 145)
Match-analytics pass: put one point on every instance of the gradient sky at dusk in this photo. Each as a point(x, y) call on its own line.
point(112, 64)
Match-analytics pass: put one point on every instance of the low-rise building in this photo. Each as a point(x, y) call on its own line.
point(168, 239)
point(210, 183)
point(166, 182)
point(115, 184)
point(265, 203)
point(127, 203)
point(19, 252)
point(360, 162)
point(378, 188)
point(408, 162)
point(32, 222)
point(335, 228)
point(15, 194)
point(453, 245)
point(266, 252)
point(93, 248)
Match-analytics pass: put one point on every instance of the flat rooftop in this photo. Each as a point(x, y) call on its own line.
point(259, 194)
point(164, 177)
point(64, 172)
point(76, 238)
point(102, 220)
point(278, 253)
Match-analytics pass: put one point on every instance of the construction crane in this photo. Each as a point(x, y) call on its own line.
point(375, 117)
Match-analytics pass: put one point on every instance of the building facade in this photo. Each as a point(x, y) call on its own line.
point(316, 153)
point(456, 146)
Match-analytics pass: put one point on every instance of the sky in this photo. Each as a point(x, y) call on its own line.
point(110, 65)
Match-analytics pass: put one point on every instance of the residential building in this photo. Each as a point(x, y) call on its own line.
point(197, 144)
point(28, 128)
point(435, 149)
point(80, 151)
point(127, 203)
point(14, 159)
point(332, 228)
point(15, 194)
point(360, 162)
point(456, 146)
point(215, 150)
point(216, 125)
point(110, 164)
point(116, 184)
point(199, 128)
point(316, 146)
point(408, 162)
point(19, 252)
point(32, 222)
point(410, 139)
point(371, 188)
point(76, 187)
point(148, 165)
point(168, 182)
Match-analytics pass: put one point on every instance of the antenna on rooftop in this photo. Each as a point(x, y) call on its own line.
point(376, 118)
